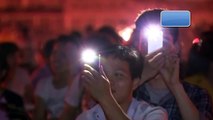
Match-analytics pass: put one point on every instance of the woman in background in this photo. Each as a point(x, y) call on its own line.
point(11, 103)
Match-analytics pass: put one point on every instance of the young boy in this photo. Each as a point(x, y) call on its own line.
point(112, 88)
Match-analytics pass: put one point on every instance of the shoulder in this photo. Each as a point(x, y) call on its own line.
point(200, 98)
point(95, 113)
point(194, 90)
point(141, 93)
point(143, 110)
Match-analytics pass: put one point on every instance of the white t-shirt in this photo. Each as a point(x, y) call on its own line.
point(53, 98)
point(138, 110)
point(73, 95)
point(19, 82)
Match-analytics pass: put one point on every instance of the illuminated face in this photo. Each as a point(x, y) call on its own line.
point(64, 58)
point(119, 75)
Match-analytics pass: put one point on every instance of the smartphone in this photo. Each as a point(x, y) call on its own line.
point(154, 40)
point(91, 58)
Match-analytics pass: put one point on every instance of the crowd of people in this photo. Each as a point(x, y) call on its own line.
point(126, 84)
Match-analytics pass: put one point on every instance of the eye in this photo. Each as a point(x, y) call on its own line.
point(119, 74)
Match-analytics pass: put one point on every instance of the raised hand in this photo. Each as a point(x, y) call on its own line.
point(170, 71)
point(96, 84)
point(152, 65)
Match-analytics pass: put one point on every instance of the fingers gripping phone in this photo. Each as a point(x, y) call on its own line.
point(154, 37)
point(90, 57)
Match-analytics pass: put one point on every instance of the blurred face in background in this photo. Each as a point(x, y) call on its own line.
point(14, 59)
point(28, 54)
point(64, 58)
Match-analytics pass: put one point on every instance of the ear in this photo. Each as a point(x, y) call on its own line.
point(136, 83)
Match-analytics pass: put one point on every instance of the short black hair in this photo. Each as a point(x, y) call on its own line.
point(134, 59)
point(153, 16)
point(111, 32)
point(75, 38)
point(6, 49)
point(99, 41)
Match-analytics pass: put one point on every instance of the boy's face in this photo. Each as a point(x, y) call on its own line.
point(119, 75)
point(64, 57)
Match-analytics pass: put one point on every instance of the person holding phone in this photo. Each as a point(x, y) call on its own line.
point(160, 83)
point(112, 88)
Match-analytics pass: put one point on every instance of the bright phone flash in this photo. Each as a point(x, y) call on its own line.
point(89, 56)
point(154, 36)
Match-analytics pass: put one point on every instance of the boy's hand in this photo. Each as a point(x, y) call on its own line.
point(153, 63)
point(96, 84)
point(170, 72)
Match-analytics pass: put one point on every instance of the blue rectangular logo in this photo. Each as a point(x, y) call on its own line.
point(175, 18)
